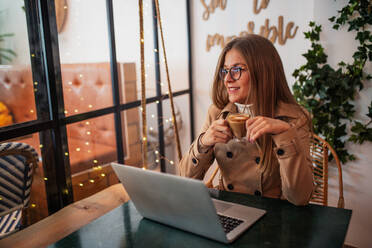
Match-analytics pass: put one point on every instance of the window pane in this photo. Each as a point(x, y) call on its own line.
point(181, 105)
point(132, 137)
point(153, 155)
point(128, 82)
point(175, 39)
point(127, 33)
point(17, 100)
point(86, 87)
point(92, 146)
point(84, 54)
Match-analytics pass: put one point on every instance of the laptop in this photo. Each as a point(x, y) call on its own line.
point(185, 203)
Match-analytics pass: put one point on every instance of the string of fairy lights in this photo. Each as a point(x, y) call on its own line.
point(99, 171)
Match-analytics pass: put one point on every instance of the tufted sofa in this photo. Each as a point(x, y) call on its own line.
point(91, 143)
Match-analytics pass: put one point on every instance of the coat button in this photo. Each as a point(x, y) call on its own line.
point(257, 193)
point(257, 160)
point(280, 152)
point(230, 186)
point(194, 160)
point(229, 154)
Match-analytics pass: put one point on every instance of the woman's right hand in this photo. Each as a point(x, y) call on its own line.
point(218, 132)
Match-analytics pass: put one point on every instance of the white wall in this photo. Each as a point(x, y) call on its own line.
point(339, 45)
point(84, 39)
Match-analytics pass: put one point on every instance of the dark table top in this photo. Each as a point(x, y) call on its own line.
point(284, 225)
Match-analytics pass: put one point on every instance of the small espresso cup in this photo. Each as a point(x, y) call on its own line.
point(237, 124)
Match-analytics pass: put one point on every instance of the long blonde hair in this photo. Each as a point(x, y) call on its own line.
point(268, 85)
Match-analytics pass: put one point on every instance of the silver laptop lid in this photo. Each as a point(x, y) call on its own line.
point(176, 201)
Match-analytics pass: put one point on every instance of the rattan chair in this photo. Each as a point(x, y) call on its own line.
point(17, 163)
point(319, 155)
point(319, 149)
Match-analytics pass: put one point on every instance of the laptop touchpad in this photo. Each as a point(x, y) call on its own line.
point(221, 206)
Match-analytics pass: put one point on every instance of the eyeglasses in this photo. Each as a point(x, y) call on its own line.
point(235, 72)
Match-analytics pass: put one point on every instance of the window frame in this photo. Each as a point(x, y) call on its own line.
point(51, 121)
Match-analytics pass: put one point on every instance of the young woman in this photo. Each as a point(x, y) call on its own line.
point(249, 70)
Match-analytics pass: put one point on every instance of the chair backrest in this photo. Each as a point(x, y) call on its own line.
point(17, 162)
point(319, 149)
point(319, 155)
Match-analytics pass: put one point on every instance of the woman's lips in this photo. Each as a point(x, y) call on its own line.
point(233, 89)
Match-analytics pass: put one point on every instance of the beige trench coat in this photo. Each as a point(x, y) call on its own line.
point(292, 176)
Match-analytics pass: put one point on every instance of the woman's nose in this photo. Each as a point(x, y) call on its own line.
point(228, 77)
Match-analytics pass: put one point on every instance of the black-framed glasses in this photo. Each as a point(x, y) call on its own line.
point(235, 72)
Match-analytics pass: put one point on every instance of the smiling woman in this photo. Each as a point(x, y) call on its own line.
point(250, 71)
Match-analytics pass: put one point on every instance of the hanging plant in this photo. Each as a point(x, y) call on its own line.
point(329, 93)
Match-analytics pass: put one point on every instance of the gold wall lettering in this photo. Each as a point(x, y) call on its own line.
point(263, 5)
point(213, 4)
point(273, 33)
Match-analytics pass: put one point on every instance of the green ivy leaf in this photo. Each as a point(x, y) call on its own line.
point(370, 111)
point(328, 93)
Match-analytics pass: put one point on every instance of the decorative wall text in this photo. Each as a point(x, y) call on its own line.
point(263, 5)
point(273, 33)
point(280, 32)
point(212, 6)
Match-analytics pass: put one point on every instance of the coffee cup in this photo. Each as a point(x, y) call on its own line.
point(237, 124)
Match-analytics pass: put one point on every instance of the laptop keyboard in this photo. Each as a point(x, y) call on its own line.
point(229, 223)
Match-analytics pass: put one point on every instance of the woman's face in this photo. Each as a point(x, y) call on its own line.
point(237, 89)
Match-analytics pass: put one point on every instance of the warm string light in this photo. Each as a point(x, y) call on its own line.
point(159, 157)
point(167, 121)
point(143, 111)
point(97, 169)
point(95, 161)
point(168, 138)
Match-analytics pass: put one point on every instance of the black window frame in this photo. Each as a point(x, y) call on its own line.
point(51, 121)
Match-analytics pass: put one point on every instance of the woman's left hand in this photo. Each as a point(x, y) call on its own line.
point(259, 125)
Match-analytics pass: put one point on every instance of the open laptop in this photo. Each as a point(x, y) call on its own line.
point(185, 203)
